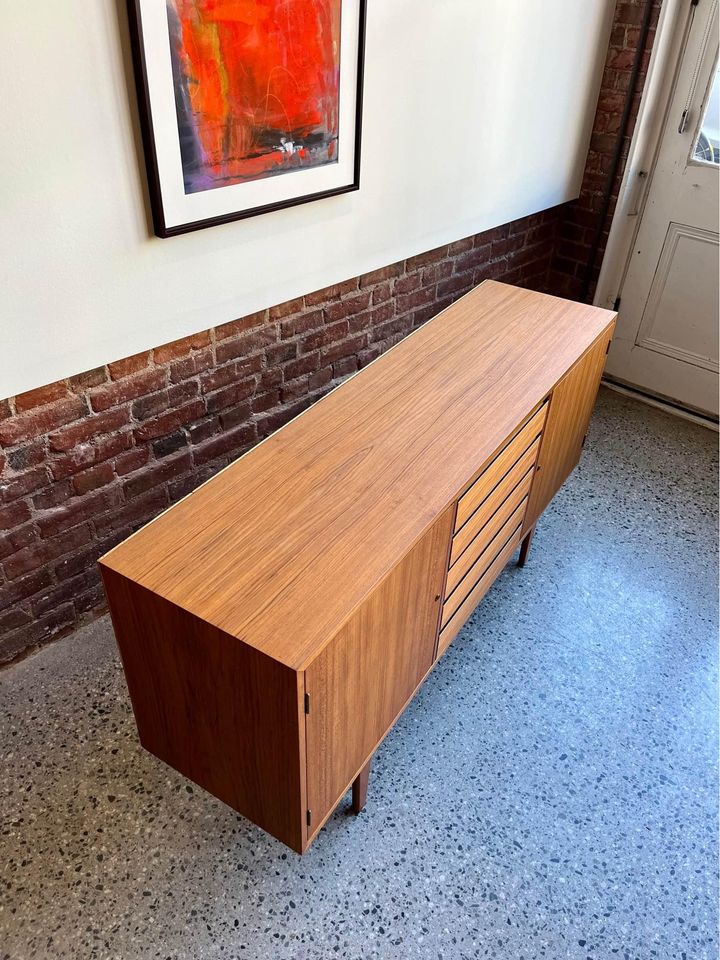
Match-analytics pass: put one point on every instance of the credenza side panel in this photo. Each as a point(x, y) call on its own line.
point(571, 406)
point(221, 713)
point(360, 683)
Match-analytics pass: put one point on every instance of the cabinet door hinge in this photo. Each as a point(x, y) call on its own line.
point(307, 703)
point(309, 817)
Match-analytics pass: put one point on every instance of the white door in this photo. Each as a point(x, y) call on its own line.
point(666, 342)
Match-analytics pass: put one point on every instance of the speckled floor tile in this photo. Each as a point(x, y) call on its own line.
point(550, 793)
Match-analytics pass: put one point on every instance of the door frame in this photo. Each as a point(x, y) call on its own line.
point(676, 17)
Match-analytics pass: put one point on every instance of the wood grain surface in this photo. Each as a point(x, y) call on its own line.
point(280, 548)
point(571, 407)
point(363, 678)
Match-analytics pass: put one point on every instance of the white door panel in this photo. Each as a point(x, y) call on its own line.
point(667, 334)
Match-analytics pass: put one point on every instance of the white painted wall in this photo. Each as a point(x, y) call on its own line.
point(475, 113)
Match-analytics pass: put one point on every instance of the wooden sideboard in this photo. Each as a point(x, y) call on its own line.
point(275, 623)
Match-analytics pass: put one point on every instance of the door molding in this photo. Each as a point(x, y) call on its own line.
point(676, 232)
point(672, 31)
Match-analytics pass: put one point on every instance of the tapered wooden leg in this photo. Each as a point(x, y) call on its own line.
point(359, 788)
point(525, 546)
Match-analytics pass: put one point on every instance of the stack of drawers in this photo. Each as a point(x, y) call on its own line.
point(488, 525)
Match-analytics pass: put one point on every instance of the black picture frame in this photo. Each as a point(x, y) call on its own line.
point(160, 227)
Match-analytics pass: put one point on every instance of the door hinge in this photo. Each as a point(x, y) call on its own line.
point(307, 703)
point(616, 305)
point(309, 818)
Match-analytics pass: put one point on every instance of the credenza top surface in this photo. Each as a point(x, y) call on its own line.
point(283, 545)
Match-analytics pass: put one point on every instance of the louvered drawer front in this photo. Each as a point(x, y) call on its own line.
point(453, 625)
point(454, 598)
point(475, 549)
point(496, 470)
point(480, 528)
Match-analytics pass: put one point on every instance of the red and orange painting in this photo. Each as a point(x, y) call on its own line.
point(256, 87)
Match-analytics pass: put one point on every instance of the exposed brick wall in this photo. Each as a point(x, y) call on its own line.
point(87, 460)
point(579, 224)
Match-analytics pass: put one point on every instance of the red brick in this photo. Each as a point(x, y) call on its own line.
point(90, 378)
point(29, 456)
point(41, 553)
point(97, 476)
point(232, 373)
point(135, 513)
point(181, 348)
point(50, 599)
point(155, 474)
point(437, 271)
point(16, 590)
point(296, 368)
point(13, 618)
point(418, 298)
point(346, 308)
point(23, 484)
point(287, 309)
point(369, 354)
point(233, 418)
point(230, 396)
point(280, 352)
point(301, 323)
point(294, 389)
point(423, 259)
point(75, 511)
point(5, 409)
point(335, 292)
point(225, 443)
point(16, 539)
point(145, 407)
point(344, 349)
point(128, 365)
point(235, 327)
point(131, 460)
point(198, 362)
point(408, 283)
point(382, 292)
point(197, 432)
point(344, 367)
point(41, 396)
point(396, 325)
point(453, 287)
point(86, 454)
point(53, 495)
point(91, 599)
point(14, 514)
point(114, 394)
point(383, 274)
point(272, 421)
point(91, 426)
point(265, 401)
point(39, 631)
point(41, 420)
point(246, 344)
point(170, 421)
point(320, 378)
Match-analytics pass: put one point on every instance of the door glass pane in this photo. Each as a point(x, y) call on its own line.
point(707, 145)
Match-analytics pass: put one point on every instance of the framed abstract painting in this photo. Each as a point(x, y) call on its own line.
point(246, 106)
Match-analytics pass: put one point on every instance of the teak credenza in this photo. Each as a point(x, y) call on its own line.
point(275, 623)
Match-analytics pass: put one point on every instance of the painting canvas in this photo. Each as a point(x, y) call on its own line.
point(247, 105)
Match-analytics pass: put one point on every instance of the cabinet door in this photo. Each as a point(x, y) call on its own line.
point(571, 406)
point(361, 681)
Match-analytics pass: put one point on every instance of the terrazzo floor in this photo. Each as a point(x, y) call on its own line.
point(550, 792)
